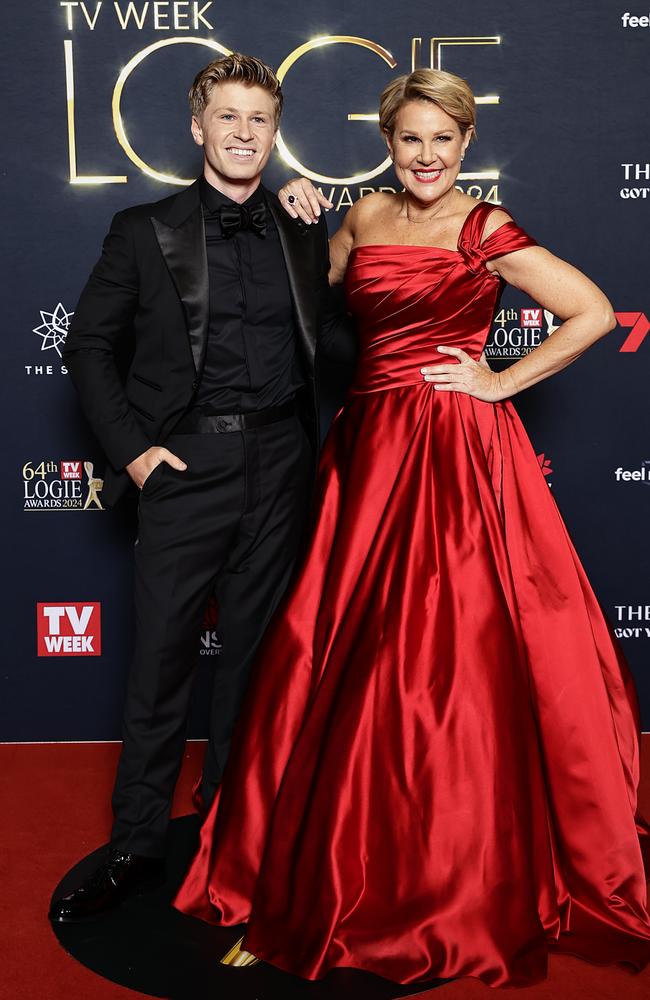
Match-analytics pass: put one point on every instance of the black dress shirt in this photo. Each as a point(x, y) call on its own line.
point(251, 360)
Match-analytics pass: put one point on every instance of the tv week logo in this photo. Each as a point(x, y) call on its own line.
point(531, 317)
point(70, 470)
point(69, 629)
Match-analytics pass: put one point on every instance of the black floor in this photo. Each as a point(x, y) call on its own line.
point(148, 946)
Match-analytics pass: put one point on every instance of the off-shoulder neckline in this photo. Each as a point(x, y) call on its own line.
point(427, 246)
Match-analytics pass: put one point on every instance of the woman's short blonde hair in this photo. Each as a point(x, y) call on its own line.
point(449, 92)
point(240, 69)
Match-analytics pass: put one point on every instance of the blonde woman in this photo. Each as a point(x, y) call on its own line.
point(435, 772)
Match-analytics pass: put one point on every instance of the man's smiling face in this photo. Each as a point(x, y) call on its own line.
point(237, 131)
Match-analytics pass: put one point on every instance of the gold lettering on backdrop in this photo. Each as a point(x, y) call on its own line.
point(292, 58)
point(416, 53)
point(160, 15)
point(131, 13)
point(76, 178)
point(435, 57)
point(343, 196)
point(435, 53)
point(198, 16)
point(179, 11)
point(435, 62)
point(90, 21)
point(482, 193)
point(163, 14)
point(345, 199)
point(180, 15)
point(118, 124)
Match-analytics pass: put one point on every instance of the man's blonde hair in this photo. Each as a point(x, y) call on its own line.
point(239, 68)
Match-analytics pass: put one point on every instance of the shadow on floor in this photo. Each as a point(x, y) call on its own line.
point(148, 946)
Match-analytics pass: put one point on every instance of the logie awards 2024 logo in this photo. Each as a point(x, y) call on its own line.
point(64, 485)
point(517, 332)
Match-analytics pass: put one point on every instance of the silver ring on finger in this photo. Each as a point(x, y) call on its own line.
point(291, 198)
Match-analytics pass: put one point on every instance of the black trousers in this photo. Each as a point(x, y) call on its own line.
point(232, 523)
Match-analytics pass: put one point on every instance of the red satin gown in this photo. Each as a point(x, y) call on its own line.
point(435, 770)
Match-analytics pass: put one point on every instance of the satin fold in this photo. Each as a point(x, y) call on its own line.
point(436, 767)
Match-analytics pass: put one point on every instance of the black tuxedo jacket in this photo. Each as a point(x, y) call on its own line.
point(146, 301)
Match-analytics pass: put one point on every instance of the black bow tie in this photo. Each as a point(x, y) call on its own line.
point(235, 217)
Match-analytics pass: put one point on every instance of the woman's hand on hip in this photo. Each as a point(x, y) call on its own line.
point(475, 378)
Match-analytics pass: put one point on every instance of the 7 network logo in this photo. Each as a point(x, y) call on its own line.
point(72, 629)
point(637, 323)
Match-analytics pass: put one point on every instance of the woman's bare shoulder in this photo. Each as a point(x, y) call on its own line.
point(494, 221)
point(369, 212)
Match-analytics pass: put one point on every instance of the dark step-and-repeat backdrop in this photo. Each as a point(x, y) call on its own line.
point(94, 97)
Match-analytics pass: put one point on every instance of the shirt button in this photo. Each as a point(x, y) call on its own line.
point(195, 385)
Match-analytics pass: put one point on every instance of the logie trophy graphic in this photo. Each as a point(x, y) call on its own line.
point(94, 487)
point(551, 326)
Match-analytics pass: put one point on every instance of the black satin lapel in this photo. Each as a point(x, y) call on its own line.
point(183, 248)
point(298, 256)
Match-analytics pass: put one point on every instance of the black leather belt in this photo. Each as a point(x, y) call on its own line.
point(223, 423)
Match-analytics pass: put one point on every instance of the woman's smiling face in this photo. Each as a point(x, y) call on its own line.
point(427, 146)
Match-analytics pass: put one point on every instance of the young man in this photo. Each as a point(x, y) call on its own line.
point(222, 298)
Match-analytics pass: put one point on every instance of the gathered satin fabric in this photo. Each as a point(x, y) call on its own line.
point(436, 767)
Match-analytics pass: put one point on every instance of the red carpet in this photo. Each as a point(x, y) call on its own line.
point(55, 807)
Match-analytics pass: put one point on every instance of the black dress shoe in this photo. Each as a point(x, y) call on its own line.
point(108, 884)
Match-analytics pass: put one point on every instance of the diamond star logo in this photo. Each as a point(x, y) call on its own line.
point(54, 328)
